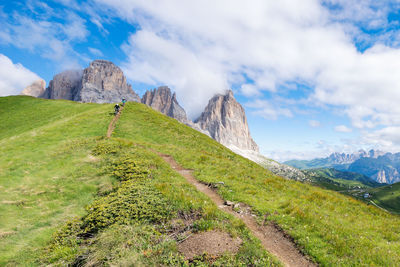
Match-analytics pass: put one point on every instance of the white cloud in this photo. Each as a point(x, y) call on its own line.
point(268, 110)
point(14, 77)
point(48, 33)
point(343, 129)
point(314, 123)
point(250, 90)
point(154, 60)
point(386, 139)
point(95, 51)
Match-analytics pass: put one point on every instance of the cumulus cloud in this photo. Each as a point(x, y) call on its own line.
point(95, 51)
point(14, 77)
point(387, 138)
point(154, 60)
point(45, 31)
point(268, 110)
point(343, 129)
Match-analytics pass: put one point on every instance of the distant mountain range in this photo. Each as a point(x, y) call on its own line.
point(382, 167)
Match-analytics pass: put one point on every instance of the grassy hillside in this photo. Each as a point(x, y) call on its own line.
point(46, 174)
point(332, 228)
point(55, 162)
point(339, 181)
point(140, 209)
point(309, 164)
point(387, 197)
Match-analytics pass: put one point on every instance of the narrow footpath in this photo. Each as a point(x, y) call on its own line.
point(112, 124)
point(271, 238)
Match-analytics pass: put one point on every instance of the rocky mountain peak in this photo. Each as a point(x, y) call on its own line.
point(36, 89)
point(224, 118)
point(104, 82)
point(64, 85)
point(101, 82)
point(163, 100)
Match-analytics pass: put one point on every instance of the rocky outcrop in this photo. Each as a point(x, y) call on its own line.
point(36, 89)
point(104, 82)
point(163, 100)
point(224, 118)
point(101, 82)
point(277, 168)
point(64, 85)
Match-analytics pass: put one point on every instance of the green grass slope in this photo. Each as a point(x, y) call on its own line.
point(333, 179)
point(68, 196)
point(332, 228)
point(55, 163)
point(348, 176)
point(46, 174)
point(387, 197)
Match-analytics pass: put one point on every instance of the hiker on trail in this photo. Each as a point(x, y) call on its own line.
point(123, 102)
point(116, 108)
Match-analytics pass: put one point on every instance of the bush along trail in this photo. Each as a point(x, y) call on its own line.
point(271, 237)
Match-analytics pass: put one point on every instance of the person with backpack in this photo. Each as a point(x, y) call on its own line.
point(123, 102)
point(116, 109)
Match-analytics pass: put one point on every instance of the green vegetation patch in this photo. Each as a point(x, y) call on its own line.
point(335, 230)
point(143, 218)
point(132, 200)
point(387, 197)
point(47, 172)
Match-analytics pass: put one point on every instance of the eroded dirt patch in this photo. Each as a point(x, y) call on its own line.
point(213, 243)
point(5, 234)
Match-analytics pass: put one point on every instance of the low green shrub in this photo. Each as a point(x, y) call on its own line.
point(125, 168)
point(131, 201)
point(103, 147)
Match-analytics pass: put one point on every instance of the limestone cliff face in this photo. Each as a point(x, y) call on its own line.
point(64, 85)
point(224, 118)
point(104, 82)
point(101, 82)
point(36, 89)
point(163, 100)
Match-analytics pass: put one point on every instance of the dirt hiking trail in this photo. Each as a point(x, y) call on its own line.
point(273, 239)
point(112, 124)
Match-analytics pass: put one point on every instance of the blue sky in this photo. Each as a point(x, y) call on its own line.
point(314, 76)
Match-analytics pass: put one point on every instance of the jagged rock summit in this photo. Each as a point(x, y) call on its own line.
point(163, 100)
point(64, 85)
point(224, 118)
point(343, 158)
point(104, 82)
point(36, 89)
point(101, 82)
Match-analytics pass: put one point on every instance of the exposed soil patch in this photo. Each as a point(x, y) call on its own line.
point(272, 237)
point(213, 243)
point(91, 158)
point(11, 202)
point(5, 234)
